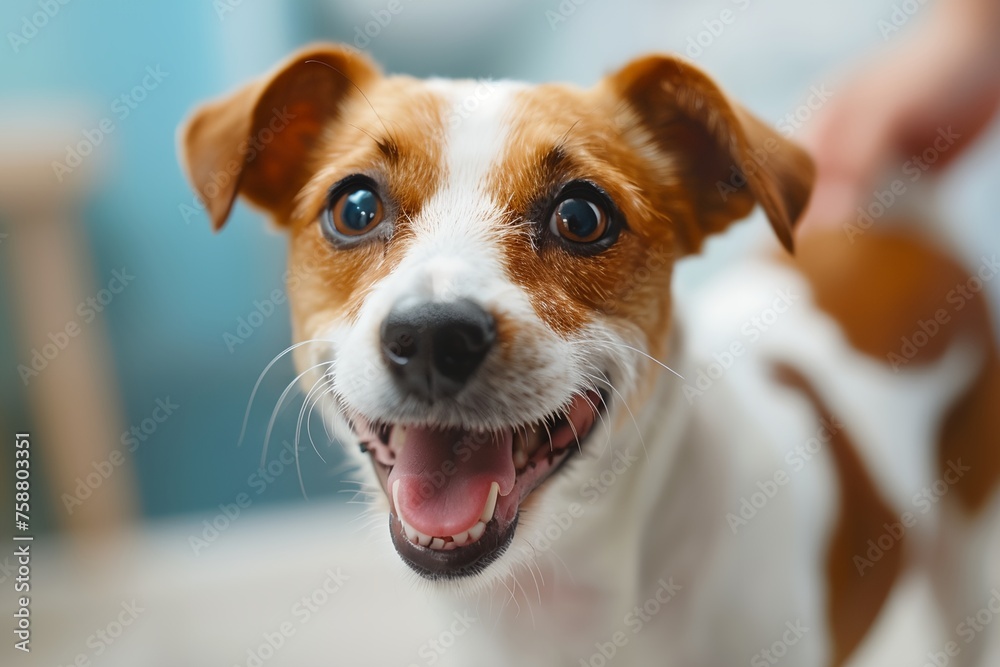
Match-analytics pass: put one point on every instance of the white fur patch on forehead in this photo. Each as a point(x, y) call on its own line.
point(458, 229)
point(476, 123)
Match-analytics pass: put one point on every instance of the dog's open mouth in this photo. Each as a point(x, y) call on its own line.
point(454, 493)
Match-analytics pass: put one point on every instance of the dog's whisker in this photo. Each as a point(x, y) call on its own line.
point(530, 565)
point(298, 470)
point(324, 387)
point(319, 383)
point(541, 575)
point(548, 435)
point(598, 412)
point(569, 571)
point(327, 390)
point(274, 413)
point(576, 436)
point(627, 347)
point(361, 92)
point(510, 598)
point(339, 409)
point(260, 378)
point(628, 409)
point(527, 601)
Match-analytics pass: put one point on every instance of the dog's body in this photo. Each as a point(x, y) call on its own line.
point(848, 478)
point(482, 267)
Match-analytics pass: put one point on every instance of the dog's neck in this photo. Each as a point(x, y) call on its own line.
point(626, 472)
point(630, 480)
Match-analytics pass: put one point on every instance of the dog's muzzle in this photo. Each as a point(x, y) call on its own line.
point(455, 492)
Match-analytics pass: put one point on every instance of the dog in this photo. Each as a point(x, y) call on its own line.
point(488, 325)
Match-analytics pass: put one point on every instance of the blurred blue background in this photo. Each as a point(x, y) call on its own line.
point(166, 332)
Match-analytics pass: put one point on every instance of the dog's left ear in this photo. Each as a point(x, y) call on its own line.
point(255, 141)
point(729, 159)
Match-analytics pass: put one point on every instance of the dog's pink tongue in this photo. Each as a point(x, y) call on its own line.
point(445, 477)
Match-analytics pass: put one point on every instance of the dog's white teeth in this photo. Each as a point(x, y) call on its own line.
point(411, 532)
point(520, 458)
point(520, 452)
point(444, 543)
point(452, 541)
point(477, 531)
point(397, 439)
point(491, 503)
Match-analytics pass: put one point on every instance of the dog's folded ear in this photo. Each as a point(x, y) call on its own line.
point(728, 159)
point(255, 140)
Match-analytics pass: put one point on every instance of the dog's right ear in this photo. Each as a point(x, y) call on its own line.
point(254, 141)
point(730, 159)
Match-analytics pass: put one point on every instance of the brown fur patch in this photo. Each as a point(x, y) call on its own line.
point(631, 278)
point(384, 135)
point(854, 600)
point(879, 289)
point(679, 160)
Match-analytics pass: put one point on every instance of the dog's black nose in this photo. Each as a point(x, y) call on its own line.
point(433, 348)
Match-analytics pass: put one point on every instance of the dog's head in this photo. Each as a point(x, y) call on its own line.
point(481, 266)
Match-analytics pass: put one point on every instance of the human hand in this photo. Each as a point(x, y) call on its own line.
point(943, 76)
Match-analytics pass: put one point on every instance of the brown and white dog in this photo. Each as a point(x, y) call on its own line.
point(487, 297)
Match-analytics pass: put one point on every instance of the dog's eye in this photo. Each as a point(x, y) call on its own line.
point(583, 219)
point(355, 210)
point(579, 220)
